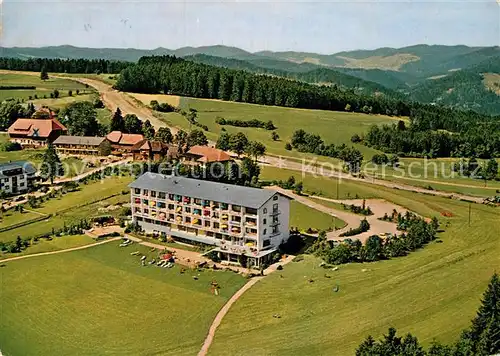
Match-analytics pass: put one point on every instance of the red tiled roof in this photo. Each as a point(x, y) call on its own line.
point(36, 127)
point(209, 154)
point(117, 137)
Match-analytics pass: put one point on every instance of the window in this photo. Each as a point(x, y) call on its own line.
point(170, 206)
point(216, 225)
point(137, 191)
point(21, 184)
point(207, 223)
point(188, 219)
point(266, 243)
point(264, 221)
point(275, 229)
point(187, 209)
point(162, 195)
point(145, 192)
point(275, 208)
point(275, 197)
point(264, 232)
point(265, 210)
point(153, 194)
point(275, 219)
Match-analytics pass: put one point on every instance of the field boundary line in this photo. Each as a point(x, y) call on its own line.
point(60, 251)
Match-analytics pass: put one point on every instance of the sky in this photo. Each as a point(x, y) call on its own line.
point(320, 26)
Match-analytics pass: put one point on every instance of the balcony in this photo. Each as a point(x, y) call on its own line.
point(275, 212)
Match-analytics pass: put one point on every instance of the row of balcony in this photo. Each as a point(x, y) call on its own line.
point(145, 194)
point(223, 227)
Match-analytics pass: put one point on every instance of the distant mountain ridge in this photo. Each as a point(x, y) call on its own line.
point(451, 75)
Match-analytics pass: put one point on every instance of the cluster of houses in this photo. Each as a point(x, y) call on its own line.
point(37, 132)
point(245, 225)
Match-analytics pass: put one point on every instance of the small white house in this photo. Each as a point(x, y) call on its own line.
point(15, 177)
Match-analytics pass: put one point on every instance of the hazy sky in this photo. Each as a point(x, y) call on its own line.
point(320, 26)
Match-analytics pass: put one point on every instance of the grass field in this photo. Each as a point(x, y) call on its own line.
point(68, 208)
point(304, 217)
point(432, 293)
point(43, 87)
point(334, 127)
point(100, 301)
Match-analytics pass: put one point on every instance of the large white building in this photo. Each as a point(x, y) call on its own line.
point(246, 225)
point(15, 177)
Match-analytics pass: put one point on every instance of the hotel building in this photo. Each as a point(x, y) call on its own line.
point(243, 223)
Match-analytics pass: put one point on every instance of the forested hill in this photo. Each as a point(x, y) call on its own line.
point(305, 72)
point(448, 75)
point(464, 89)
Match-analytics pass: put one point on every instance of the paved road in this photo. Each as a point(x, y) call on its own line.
point(114, 99)
point(352, 220)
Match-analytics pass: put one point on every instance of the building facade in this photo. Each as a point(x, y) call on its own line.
point(123, 142)
point(246, 225)
point(16, 177)
point(34, 133)
point(79, 145)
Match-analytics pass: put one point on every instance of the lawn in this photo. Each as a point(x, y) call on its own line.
point(56, 244)
point(100, 301)
point(334, 127)
point(432, 293)
point(68, 208)
point(304, 217)
point(43, 87)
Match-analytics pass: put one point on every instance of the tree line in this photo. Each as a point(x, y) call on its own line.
point(268, 125)
point(59, 65)
point(304, 141)
point(482, 338)
point(180, 77)
point(467, 139)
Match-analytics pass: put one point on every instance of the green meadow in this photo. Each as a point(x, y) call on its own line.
point(101, 301)
point(334, 127)
point(432, 293)
point(43, 88)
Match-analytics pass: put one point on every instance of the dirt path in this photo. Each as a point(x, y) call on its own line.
point(352, 220)
point(222, 313)
point(114, 99)
point(59, 251)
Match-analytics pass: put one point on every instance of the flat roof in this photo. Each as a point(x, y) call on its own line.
point(79, 140)
point(202, 189)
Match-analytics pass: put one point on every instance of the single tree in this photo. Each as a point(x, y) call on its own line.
point(117, 122)
point(80, 118)
point(105, 148)
point(148, 130)
point(223, 141)
point(164, 135)
point(43, 74)
point(255, 149)
point(51, 166)
point(180, 140)
point(275, 136)
point(56, 93)
point(132, 124)
point(197, 137)
point(238, 143)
